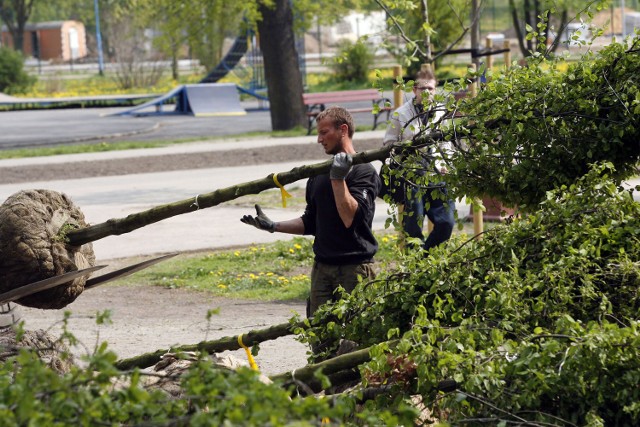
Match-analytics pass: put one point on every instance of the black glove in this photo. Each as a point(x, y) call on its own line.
point(341, 166)
point(260, 221)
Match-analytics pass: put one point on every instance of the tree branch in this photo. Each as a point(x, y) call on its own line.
point(201, 201)
point(223, 344)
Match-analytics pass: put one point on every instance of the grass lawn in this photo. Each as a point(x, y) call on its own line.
point(269, 272)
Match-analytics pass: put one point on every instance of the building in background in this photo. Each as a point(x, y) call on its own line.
point(61, 41)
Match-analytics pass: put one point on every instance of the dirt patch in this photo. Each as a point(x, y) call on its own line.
point(172, 162)
point(147, 318)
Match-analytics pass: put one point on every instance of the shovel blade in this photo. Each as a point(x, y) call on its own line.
point(41, 285)
point(123, 272)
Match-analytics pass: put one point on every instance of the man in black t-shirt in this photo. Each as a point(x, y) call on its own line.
point(339, 213)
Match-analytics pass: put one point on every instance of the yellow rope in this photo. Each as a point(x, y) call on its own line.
point(284, 192)
point(252, 362)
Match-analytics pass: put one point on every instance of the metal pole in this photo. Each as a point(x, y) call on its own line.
point(98, 38)
point(319, 41)
point(478, 217)
point(622, 19)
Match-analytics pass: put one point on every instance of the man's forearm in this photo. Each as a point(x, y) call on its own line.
point(292, 226)
point(346, 204)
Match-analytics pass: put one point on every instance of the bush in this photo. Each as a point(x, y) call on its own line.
point(13, 77)
point(353, 61)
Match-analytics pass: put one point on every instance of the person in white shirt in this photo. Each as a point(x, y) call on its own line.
point(413, 117)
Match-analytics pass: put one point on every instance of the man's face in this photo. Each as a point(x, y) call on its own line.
point(331, 137)
point(424, 90)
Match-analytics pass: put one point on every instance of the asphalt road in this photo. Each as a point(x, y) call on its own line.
point(36, 128)
point(66, 126)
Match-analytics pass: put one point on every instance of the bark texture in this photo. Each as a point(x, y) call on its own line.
point(32, 246)
point(281, 66)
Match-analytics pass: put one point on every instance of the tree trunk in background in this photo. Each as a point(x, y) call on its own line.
point(532, 15)
point(281, 68)
point(15, 14)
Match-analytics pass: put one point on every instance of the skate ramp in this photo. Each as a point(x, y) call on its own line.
point(201, 99)
point(212, 99)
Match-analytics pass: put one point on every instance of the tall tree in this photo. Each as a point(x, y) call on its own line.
point(281, 66)
point(219, 19)
point(15, 14)
point(277, 29)
point(168, 18)
point(535, 15)
point(539, 24)
point(424, 25)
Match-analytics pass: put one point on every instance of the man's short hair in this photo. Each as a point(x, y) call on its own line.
point(339, 116)
point(426, 74)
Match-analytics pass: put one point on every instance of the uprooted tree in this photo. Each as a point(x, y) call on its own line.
point(534, 324)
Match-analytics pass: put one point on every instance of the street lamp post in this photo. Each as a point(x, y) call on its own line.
point(98, 38)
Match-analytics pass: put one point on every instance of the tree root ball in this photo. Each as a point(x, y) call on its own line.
point(32, 246)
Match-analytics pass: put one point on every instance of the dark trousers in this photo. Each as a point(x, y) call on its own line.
point(439, 212)
point(326, 278)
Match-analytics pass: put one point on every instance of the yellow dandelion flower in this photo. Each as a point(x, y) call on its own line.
point(221, 286)
point(236, 253)
point(297, 246)
point(291, 251)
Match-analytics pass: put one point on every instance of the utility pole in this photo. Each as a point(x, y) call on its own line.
point(98, 38)
point(622, 19)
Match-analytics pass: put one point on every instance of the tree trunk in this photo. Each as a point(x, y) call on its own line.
point(520, 34)
point(561, 28)
point(15, 15)
point(529, 21)
point(281, 67)
point(174, 64)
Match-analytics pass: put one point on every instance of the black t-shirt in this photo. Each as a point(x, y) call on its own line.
point(334, 243)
